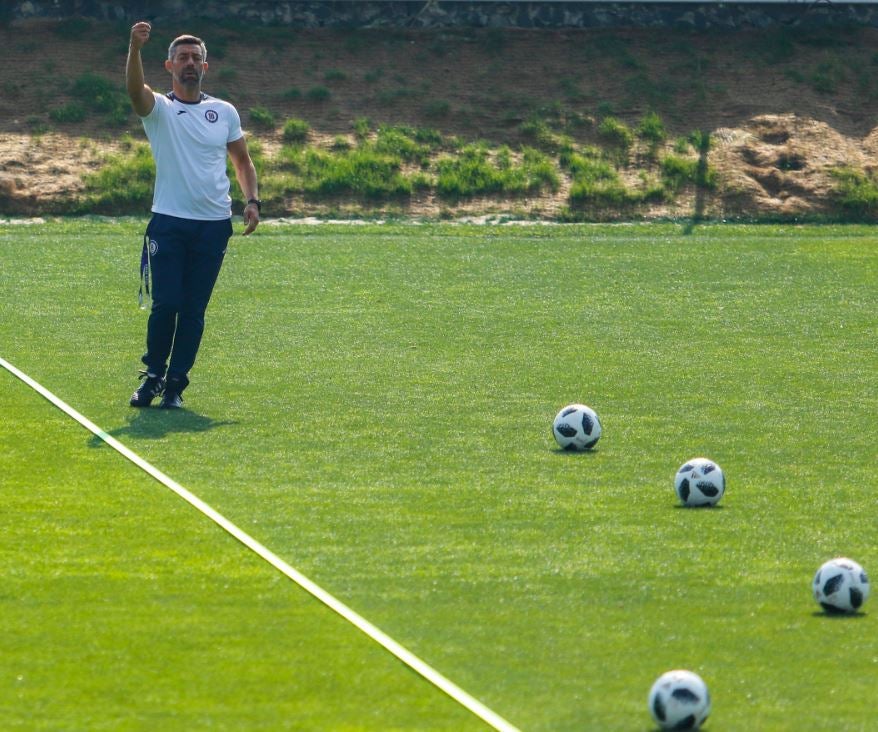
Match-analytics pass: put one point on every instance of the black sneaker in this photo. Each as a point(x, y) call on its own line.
point(151, 387)
point(174, 386)
point(171, 400)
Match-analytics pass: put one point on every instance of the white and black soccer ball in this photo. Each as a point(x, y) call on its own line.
point(577, 427)
point(679, 700)
point(841, 586)
point(700, 482)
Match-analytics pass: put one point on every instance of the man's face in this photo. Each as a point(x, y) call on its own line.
point(187, 66)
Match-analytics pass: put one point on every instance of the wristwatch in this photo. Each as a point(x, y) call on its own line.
point(258, 203)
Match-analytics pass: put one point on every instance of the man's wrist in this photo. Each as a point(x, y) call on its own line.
point(255, 202)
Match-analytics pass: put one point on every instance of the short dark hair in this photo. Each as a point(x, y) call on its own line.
point(185, 40)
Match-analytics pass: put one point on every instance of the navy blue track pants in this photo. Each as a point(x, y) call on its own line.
point(185, 257)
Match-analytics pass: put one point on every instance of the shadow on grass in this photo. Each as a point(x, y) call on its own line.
point(574, 453)
point(155, 423)
point(705, 507)
point(839, 615)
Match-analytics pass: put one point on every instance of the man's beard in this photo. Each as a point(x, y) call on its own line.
point(190, 78)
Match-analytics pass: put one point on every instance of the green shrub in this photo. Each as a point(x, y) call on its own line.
point(257, 153)
point(473, 172)
point(539, 170)
point(118, 116)
point(682, 146)
point(605, 109)
point(123, 185)
point(261, 117)
point(616, 133)
point(72, 112)
point(596, 181)
point(437, 108)
point(540, 133)
point(428, 136)
point(651, 129)
point(421, 182)
point(603, 194)
point(11, 88)
point(101, 95)
point(503, 158)
point(400, 142)
point(98, 93)
point(362, 126)
point(535, 128)
point(318, 94)
point(826, 77)
point(700, 140)
point(590, 166)
point(360, 171)
point(334, 75)
point(678, 171)
point(652, 188)
point(566, 150)
point(856, 192)
point(569, 87)
point(469, 174)
point(295, 130)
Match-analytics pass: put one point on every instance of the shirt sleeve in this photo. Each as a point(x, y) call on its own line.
point(151, 121)
point(235, 131)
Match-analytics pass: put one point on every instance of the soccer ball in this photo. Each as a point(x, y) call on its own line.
point(679, 700)
point(841, 586)
point(577, 427)
point(700, 482)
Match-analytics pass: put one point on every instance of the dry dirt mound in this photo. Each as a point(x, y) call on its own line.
point(37, 170)
point(781, 164)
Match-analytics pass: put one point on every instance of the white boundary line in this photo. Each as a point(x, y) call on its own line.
point(404, 655)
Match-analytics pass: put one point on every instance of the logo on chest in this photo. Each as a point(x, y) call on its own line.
point(211, 116)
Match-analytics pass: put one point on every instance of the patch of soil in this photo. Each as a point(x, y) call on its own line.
point(784, 107)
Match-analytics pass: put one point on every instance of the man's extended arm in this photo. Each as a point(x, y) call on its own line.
point(141, 95)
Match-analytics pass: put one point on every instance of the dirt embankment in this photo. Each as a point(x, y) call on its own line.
point(784, 108)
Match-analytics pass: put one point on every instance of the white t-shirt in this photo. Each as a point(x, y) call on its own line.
point(188, 141)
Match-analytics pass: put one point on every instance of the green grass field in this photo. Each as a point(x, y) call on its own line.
point(374, 404)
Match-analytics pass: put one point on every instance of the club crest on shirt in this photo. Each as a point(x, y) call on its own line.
point(211, 116)
point(153, 247)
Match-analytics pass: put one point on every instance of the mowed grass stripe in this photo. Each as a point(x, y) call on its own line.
point(375, 403)
point(121, 609)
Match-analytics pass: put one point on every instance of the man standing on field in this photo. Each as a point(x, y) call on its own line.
point(190, 134)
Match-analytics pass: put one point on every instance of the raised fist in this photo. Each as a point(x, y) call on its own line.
point(140, 34)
